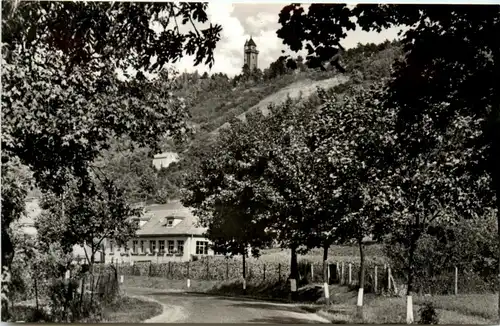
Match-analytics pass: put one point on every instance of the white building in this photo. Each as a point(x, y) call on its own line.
point(163, 160)
point(167, 233)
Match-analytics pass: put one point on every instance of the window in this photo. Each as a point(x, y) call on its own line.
point(111, 245)
point(202, 247)
point(134, 246)
point(142, 246)
point(162, 246)
point(170, 246)
point(152, 245)
point(170, 223)
point(180, 246)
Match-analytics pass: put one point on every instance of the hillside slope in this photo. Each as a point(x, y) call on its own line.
point(216, 100)
point(297, 90)
point(213, 108)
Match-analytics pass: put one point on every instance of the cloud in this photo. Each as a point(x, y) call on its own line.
point(259, 20)
point(263, 20)
point(240, 22)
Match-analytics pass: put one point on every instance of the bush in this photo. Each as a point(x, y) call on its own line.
point(428, 314)
point(28, 314)
point(469, 245)
point(67, 306)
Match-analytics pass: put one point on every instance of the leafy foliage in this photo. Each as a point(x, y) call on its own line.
point(222, 193)
point(428, 314)
point(447, 103)
point(87, 218)
point(118, 32)
point(62, 101)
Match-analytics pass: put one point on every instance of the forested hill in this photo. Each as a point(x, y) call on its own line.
point(214, 100)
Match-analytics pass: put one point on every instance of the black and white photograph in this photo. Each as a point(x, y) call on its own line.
point(250, 162)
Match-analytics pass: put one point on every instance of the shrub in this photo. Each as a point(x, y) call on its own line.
point(28, 314)
point(468, 244)
point(428, 314)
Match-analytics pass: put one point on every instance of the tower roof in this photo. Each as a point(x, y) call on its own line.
point(251, 42)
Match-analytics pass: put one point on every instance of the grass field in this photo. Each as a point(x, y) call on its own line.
point(123, 310)
point(451, 310)
point(130, 310)
point(373, 253)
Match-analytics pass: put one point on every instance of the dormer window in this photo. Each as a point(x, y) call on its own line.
point(170, 223)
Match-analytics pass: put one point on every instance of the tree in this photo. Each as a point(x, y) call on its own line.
point(439, 47)
point(221, 191)
point(277, 68)
point(466, 244)
point(62, 100)
point(87, 218)
point(257, 74)
point(115, 31)
point(354, 139)
point(288, 193)
point(133, 172)
point(16, 182)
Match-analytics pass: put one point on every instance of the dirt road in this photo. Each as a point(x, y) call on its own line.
point(180, 307)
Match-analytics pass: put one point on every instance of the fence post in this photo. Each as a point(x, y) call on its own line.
point(264, 274)
point(227, 269)
point(350, 274)
point(82, 291)
point(150, 267)
point(279, 272)
point(388, 279)
point(312, 272)
point(36, 293)
point(169, 274)
point(342, 278)
point(375, 282)
point(188, 280)
point(208, 271)
point(456, 280)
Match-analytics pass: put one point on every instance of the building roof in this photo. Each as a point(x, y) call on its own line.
point(174, 209)
point(251, 42)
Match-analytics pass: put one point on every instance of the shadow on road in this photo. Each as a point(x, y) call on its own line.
point(196, 295)
point(204, 295)
point(283, 320)
point(266, 306)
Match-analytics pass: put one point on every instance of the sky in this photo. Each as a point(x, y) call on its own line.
point(239, 21)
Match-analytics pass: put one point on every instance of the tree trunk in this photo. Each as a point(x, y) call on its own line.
point(361, 278)
point(7, 257)
point(496, 181)
point(294, 272)
point(326, 281)
point(409, 285)
point(495, 156)
point(91, 270)
point(244, 254)
point(325, 266)
point(498, 244)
